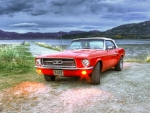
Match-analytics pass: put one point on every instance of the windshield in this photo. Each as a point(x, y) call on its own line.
point(86, 44)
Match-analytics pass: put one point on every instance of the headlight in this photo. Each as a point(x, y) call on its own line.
point(38, 61)
point(85, 62)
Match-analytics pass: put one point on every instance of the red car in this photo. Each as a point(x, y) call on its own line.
point(84, 57)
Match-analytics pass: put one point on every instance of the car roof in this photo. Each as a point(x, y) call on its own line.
point(103, 38)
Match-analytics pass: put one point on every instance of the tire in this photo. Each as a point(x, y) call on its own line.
point(49, 78)
point(119, 65)
point(95, 76)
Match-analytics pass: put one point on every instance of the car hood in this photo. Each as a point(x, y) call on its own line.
point(72, 53)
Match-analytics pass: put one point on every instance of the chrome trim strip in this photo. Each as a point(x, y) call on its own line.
point(56, 66)
point(48, 61)
point(64, 68)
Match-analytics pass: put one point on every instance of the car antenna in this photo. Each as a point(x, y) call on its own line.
point(61, 40)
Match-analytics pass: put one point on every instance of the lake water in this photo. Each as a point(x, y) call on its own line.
point(67, 41)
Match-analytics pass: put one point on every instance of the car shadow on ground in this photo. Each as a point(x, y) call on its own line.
point(71, 81)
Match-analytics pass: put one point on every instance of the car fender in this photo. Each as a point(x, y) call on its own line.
point(121, 52)
point(101, 63)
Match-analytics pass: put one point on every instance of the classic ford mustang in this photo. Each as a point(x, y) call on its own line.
point(83, 57)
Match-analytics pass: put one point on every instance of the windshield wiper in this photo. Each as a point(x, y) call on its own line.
point(86, 48)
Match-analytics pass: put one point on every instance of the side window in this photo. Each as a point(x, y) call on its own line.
point(85, 45)
point(96, 45)
point(109, 44)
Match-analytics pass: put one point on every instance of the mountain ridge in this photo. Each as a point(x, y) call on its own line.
point(133, 30)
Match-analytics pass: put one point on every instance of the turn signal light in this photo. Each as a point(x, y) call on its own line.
point(84, 72)
point(39, 71)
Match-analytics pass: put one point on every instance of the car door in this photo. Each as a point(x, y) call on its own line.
point(100, 52)
point(112, 53)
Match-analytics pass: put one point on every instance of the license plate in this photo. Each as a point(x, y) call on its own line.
point(58, 72)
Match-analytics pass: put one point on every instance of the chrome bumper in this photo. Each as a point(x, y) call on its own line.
point(63, 68)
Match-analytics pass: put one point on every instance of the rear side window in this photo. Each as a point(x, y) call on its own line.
point(110, 43)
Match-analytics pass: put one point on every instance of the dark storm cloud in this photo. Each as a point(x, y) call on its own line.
point(33, 7)
point(14, 6)
point(135, 16)
point(100, 8)
point(72, 14)
point(71, 7)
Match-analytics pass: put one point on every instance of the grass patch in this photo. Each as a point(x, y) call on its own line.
point(57, 48)
point(133, 60)
point(15, 59)
point(147, 58)
point(139, 59)
point(137, 53)
point(16, 65)
point(15, 79)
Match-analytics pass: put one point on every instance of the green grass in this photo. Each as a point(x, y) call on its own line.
point(15, 59)
point(57, 48)
point(139, 59)
point(133, 60)
point(137, 53)
point(147, 58)
point(16, 65)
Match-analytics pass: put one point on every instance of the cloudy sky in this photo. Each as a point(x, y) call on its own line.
point(67, 15)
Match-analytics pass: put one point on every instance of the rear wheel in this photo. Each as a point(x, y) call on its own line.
point(95, 76)
point(119, 65)
point(49, 78)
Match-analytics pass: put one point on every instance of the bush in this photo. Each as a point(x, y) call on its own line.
point(25, 43)
point(118, 36)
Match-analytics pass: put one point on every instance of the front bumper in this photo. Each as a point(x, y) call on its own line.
point(66, 71)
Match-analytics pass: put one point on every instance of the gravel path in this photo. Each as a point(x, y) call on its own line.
point(38, 50)
point(127, 91)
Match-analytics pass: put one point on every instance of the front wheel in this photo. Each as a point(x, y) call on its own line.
point(119, 65)
point(95, 76)
point(49, 78)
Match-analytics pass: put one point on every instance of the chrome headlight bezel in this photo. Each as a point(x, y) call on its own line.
point(38, 61)
point(85, 62)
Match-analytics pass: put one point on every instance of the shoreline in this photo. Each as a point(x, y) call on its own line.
point(68, 41)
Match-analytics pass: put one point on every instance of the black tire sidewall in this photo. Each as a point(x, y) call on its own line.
point(95, 76)
point(119, 65)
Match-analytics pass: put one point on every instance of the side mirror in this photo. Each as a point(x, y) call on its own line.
point(109, 47)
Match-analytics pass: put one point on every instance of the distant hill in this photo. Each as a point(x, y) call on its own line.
point(133, 31)
point(38, 35)
point(130, 31)
point(8, 35)
point(139, 30)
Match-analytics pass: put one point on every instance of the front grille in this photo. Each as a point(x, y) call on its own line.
point(56, 63)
